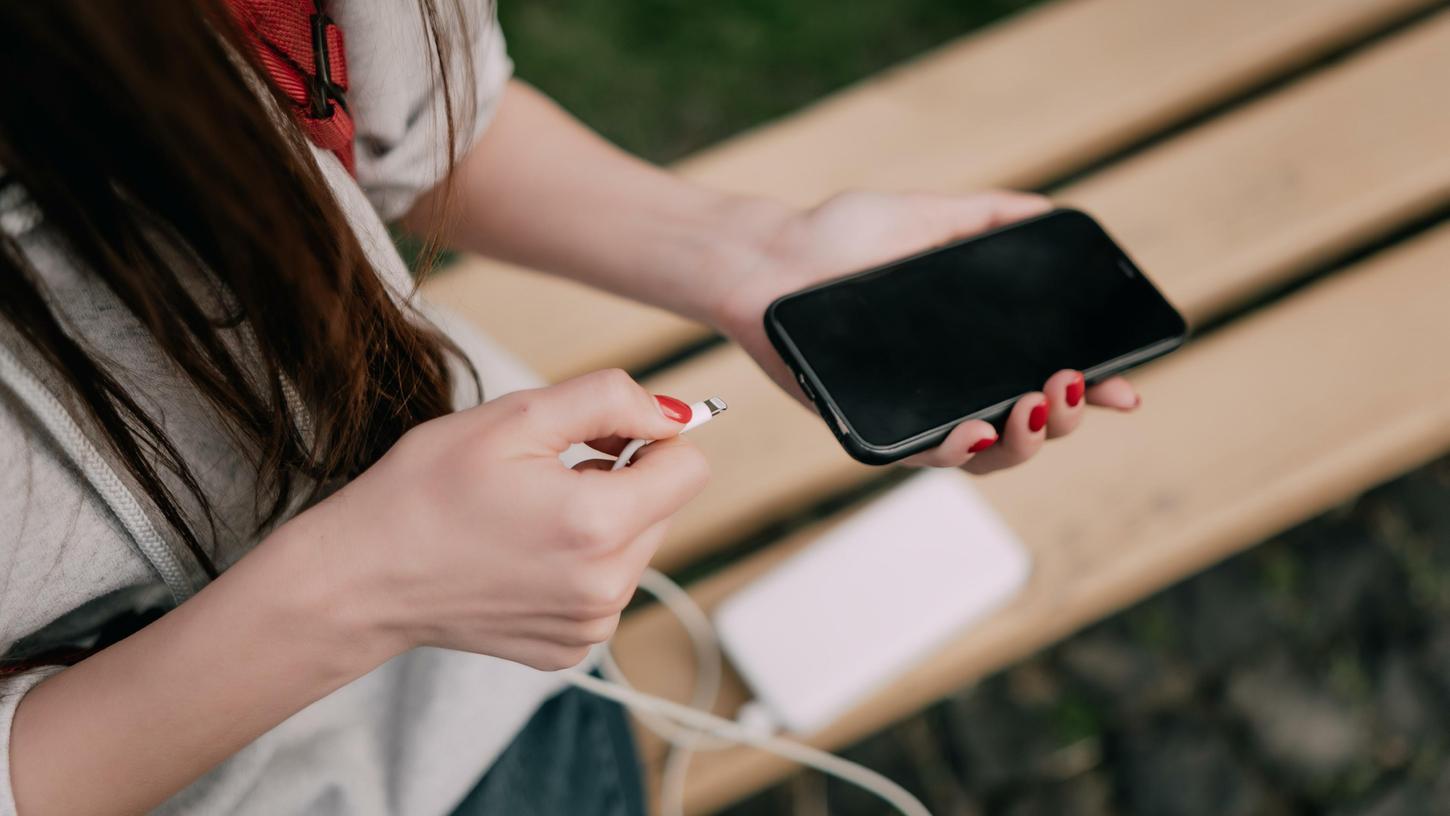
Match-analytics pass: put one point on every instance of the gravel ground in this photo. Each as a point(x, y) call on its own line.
point(1308, 675)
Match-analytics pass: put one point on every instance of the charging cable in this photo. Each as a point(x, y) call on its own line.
point(700, 413)
point(691, 728)
point(685, 726)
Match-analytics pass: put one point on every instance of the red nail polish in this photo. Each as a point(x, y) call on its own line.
point(673, 408)
point(982, 444)
point(1075, 391)
point(1037, 420)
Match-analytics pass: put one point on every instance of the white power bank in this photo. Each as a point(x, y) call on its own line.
point(866, 601)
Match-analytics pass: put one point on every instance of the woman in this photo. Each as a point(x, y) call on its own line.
point(264, 551)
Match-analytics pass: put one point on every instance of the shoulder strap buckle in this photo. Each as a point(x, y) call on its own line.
point(322, 91)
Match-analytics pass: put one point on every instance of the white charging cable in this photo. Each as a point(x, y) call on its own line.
point(700, 413)
point(684, 742)
point(692, 728)
point(687, 725)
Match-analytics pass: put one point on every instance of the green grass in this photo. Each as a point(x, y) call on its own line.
point(663, 78)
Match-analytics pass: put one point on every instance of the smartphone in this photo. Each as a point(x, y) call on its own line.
point(895, 357)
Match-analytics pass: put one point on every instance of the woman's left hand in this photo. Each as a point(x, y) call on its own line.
point(855, 231)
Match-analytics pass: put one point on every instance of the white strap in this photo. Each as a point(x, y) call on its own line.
point(58, 422)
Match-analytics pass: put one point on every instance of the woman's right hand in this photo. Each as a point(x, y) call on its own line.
point(471, 534)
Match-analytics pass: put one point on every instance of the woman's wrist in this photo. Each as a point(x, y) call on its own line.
point(274, 633)
point(722, 247)
point(325, 594)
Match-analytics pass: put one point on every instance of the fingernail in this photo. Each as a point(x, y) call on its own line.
point(673, 408)
point(982, 444)
point(1037, 420)
point(1075, 391)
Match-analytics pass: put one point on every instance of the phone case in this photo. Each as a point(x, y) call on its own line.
point(872, 454)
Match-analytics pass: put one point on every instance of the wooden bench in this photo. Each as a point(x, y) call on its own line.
point(1244, 203)
point(1243, 434)
point(1018, 105)
point(1267, 419)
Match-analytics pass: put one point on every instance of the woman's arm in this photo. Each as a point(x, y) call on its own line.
point(124, 729)
point(541, 190)
point(469, 534)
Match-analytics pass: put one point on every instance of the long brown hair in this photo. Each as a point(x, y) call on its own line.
point(128, 119)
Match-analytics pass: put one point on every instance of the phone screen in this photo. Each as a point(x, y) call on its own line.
point(930, 340)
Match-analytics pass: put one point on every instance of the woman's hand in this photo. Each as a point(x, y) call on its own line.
point(471, 534)
point(468, 534)
point(542, 191)
point(855, 231)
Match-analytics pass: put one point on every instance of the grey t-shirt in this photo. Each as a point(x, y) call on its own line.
point(411, 737)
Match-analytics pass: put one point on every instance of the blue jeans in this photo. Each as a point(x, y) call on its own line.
point(575, 757)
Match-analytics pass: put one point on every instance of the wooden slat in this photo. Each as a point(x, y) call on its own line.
point(1242, 203)
point(559, 328)
point(1016, 105)
point(1263, 424)
point(1234, 207)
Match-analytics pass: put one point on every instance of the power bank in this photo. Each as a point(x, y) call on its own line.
point(871, 598)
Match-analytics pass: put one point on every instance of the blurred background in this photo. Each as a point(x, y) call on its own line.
point(1310, 674)
point(663, 78)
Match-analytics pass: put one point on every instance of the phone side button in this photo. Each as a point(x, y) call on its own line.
point(805, 386)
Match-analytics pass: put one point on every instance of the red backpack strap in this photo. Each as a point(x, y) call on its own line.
point(301, 49)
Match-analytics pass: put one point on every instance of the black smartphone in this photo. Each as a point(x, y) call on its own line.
point(897, 356)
